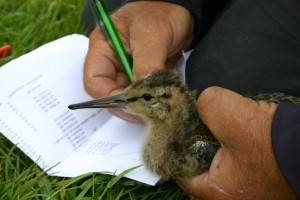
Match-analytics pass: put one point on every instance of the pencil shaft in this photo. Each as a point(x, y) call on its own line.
point(114, 38)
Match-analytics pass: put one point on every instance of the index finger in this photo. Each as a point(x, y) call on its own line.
point(197, 186)
point(103, 74)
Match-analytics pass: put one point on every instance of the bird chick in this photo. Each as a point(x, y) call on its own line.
point(177, 142)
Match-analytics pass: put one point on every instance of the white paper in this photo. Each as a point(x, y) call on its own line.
point(35, 91)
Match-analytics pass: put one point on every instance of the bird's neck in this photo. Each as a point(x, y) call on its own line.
point(179, 120)
point(161, 134)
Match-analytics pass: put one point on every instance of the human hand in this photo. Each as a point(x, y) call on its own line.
point(244, 167)
point(153, 33)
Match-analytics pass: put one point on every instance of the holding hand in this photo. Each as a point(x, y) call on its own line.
point(244, 167)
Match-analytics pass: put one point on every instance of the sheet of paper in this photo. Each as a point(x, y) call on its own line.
point(35, 91)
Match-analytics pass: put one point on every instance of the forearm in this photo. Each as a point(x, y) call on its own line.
point(285, 141)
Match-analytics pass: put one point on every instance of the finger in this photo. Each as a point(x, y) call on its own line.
point(194, 186)
point(200, 187)
point(207, 184)
point(102, 71)
point(231, 117)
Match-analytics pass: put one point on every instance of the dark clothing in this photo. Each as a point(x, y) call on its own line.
point(285, 139)
point(249, 49)
point(254, 46)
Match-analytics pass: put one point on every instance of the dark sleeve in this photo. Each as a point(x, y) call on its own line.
point(286, 142)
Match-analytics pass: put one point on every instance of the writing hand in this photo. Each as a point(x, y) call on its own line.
point(153, 33)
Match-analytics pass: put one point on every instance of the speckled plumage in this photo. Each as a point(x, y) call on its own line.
point(177, 143)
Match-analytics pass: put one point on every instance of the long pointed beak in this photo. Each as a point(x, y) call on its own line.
point(106, 102)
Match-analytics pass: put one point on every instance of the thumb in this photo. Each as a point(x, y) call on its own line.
point(149, 47)
point(158, 34)
point(231, 116)
point(194, 186)
point(221, 110)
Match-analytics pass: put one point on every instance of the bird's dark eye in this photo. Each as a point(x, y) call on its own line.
point(147, 97)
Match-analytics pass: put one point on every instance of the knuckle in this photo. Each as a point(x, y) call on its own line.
point(208, 98)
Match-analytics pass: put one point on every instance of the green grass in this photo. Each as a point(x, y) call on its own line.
point(26, 25)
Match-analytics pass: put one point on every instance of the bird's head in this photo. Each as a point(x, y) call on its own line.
point(155, 96)
point(158, 95)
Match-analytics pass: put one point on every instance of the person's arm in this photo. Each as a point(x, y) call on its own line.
point(286, 142)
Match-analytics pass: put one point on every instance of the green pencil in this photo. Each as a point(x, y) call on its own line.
point(113, 36)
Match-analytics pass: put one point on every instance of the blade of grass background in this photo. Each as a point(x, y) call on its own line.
point(26, 25)
point(114, 180)
point(68, 183)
